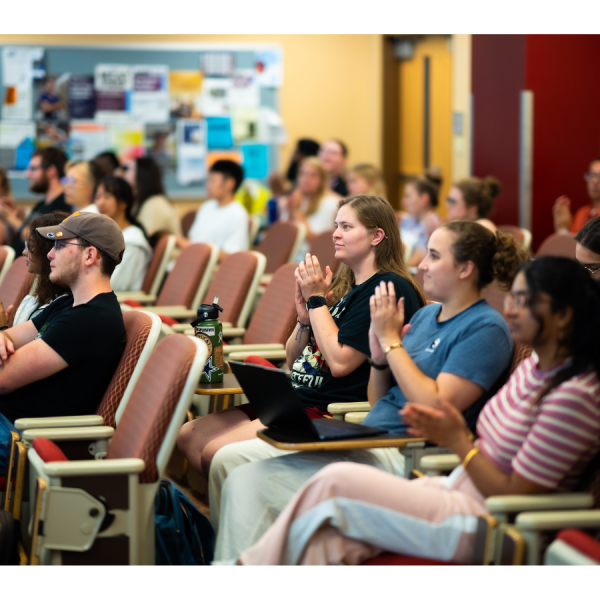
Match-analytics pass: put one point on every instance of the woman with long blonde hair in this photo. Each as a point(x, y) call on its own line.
point(327, 351)
point(311, 202)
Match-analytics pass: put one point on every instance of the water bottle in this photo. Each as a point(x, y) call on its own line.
point(209, 329)
point(272, 210)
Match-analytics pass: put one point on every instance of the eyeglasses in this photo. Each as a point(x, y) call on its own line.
point(60, 244)
point(34, 167)
point(68, 181)
point(588, 268)
point(516, 301)
point(592, 175)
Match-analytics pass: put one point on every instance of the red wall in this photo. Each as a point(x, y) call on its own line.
point(562, 73)
point(498, 76)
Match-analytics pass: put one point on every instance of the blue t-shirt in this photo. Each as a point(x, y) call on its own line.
point(474, 344)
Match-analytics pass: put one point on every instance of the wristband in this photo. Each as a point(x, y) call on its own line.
point(302, 329)
point(376, 366)
point(396, 345)
point(3, 328)
point(469, 457)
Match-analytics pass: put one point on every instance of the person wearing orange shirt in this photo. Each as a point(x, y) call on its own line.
point(564, 222)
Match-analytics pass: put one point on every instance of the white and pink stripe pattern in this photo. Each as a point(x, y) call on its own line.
point(550, 443)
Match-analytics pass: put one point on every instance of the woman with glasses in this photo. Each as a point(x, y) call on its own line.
point(587, 250)
point(536, 435)
point(80, 184)
point(564, 222)
point(44, 291)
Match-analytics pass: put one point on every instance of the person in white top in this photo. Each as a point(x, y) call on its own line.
point(45, 292)
point(221, 220)
point(154, 210)
point(81, 178)
point(311, 202)
point(114, 198)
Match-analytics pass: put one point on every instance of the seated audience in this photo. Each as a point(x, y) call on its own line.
point(5, 189)
point(587, 250)
point(327, 351)
point(153, 209)
point(304, 148)
point(457, 351)
point(221, 220)
point(114, 198)
point(365, 179)
point(553, 306)
point(45, 172)
point(310, 203)
point(109, 164)
point(36, 258)
point(333, 154)
point(564, 222)
point(61, 361)
point(473, 199)
point(80, 184)
point(417, 224)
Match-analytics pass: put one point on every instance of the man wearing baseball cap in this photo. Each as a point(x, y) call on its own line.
point(61, 361)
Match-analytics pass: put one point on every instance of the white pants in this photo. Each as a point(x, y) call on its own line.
point(245, 501)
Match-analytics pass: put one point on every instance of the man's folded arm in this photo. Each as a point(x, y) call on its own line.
point(29, 363)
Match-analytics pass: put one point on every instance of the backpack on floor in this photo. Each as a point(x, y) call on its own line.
point(9, 539)
point(183, 535)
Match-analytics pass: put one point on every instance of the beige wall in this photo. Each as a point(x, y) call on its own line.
point(332, 83)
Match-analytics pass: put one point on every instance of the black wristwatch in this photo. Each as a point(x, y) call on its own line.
point(315, 302)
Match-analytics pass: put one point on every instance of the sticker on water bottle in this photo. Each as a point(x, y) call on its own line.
point(210, 331)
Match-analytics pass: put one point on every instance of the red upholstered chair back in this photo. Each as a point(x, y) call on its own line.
point(231, 284)
point(150, 409)
point(187, 221)
point(153, 266)
point(3, 251)
point(182, 282)
point(558, 244)
point(275, 316)
point(322, 247)
point(16, 285)
point(278, 244)
point(137, 329)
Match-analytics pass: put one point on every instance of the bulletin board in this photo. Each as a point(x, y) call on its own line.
point(186, 105)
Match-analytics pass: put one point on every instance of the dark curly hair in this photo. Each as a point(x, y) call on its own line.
point(45, 290)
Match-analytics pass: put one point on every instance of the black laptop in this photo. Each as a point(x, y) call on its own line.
point(273, 398)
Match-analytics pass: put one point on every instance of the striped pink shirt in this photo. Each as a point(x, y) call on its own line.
point(548, 443)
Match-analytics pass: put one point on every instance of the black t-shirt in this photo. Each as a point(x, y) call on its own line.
point(90, 338)
point(311, 375)
point(41, 208)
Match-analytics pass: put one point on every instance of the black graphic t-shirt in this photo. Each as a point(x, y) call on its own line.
point(311, 375)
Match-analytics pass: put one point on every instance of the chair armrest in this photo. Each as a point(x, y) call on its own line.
point(234, 331)
point(115, 466)
point(550, 520)
point(70, 433)
point(356, 417)
point(267, 354)
point(48, 422)
point(533, 502)
point(137, 296)
point(175, 312)
point(435, 464)
point(252, 348)
point(266, 279)
point(341, 408)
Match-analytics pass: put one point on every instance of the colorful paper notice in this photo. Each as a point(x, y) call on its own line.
point(219, 132)
point(185, 90)
point(256, 161)
point(150, 94)
point(191, 151)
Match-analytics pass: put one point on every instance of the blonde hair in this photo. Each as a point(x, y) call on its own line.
point(374, 212)
point(84, 167)
point(372, 175)
point(315, 202)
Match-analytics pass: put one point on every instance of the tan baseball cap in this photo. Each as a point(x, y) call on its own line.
point(99, 230)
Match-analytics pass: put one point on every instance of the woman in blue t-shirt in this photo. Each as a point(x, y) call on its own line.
point(457, 350)
point(327, 351)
